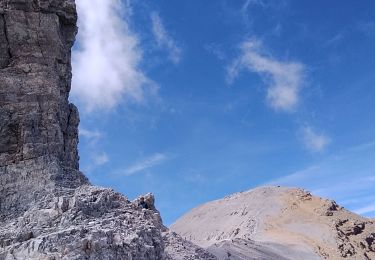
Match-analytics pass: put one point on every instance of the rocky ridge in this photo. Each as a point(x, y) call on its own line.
point(48, 209)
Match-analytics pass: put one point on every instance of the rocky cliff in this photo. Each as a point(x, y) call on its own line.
point(38, 126)
point(48, 209)
point(278, 223)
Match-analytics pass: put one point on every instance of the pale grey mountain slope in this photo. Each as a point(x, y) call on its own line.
point(278, 223)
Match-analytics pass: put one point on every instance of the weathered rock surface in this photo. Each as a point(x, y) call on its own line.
point(278, 223)
point(178, 248)
point(48, 210)
point(36, 118)
point(84, 223)
point(38, 126)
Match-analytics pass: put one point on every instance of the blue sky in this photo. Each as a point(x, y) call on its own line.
point(193, 100)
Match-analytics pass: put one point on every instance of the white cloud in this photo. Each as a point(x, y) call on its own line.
point(164, 39)
point(285, 78)
point(101, 159)
point(89, 134)
point(107, 58)
point(147, 163)
point(314, 141)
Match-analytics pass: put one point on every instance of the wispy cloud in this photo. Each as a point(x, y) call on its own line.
point(145, 164)
point(246, 7)
point(285, 78)
point(365, 210)
point(248, 3)
point(347, 177)
point(164, 39)
point(101, 159)
point(368, 28)
point(313, 141)
point(335, 40)
point(91, 139)
point(106, 61)
point(216, 49)
point(91, 135)
point(249, 7)
point(196, 178)
point(362, 147)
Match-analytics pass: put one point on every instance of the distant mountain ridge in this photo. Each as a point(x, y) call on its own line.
point(278, 223)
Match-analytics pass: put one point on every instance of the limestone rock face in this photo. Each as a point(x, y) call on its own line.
point(27, 182)
point(36, 118)
point(84, 223)
point(48, 209)
point(178, 248)
point(38, 126)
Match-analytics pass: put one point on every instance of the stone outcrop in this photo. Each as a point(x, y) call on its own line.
point(85, 223)
point(48, 209)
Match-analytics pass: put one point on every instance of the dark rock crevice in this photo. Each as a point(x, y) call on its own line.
point(6, 55)
point(38, 37)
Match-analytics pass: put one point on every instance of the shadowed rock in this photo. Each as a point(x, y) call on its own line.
point(38, 126)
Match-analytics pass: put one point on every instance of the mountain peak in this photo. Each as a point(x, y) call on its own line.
point(280, 222)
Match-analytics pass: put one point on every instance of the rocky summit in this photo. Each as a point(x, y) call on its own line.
point(278, 223)
point(48, 209)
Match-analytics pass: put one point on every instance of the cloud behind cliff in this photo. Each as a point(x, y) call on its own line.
point(106, 61)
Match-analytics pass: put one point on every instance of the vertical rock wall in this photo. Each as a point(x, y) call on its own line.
point(38, 126)
point(36, 118)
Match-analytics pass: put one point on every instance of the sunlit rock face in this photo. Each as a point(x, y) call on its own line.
point(48, 209)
